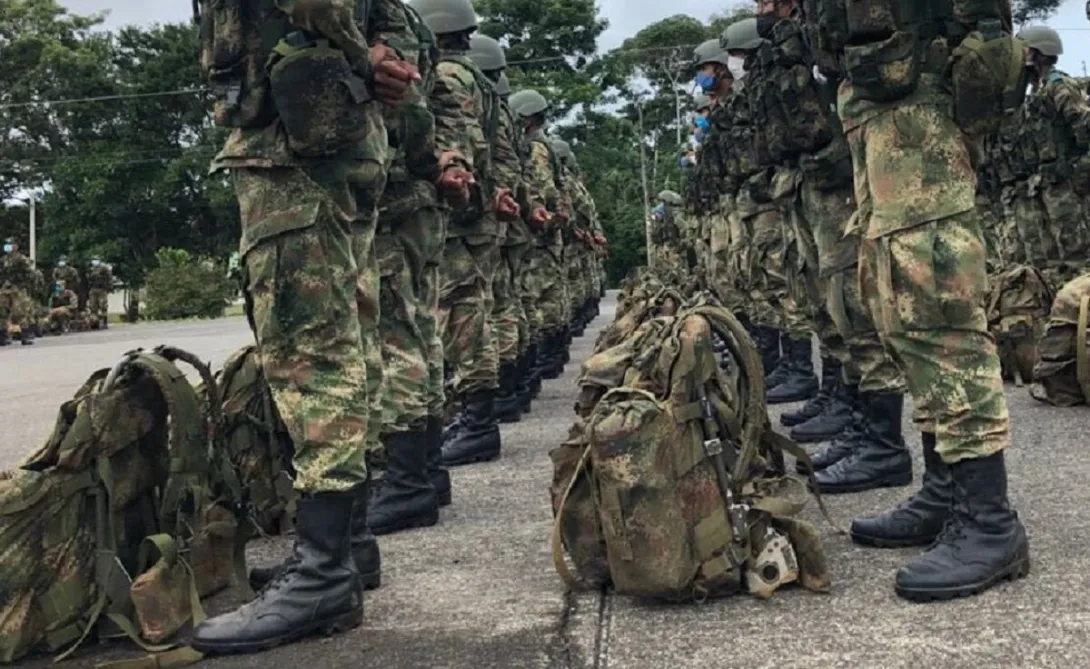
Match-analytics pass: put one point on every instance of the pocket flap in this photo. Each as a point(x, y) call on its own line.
point(299, 217)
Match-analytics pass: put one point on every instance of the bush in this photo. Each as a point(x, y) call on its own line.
point(186, 287)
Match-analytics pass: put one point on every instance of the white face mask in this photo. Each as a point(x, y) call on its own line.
point(737, 67)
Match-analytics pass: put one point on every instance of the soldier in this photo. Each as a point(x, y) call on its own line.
point(511, 323)
point(1056, 121)
point(581, 243)
point(66, 273)
point(923, 275)
point(776, 251)
point(667, 257)
point(307, 153)
point(467, 114)
point(16, 306)
point(544, 177)
point(62, 305)
point(872, 453)
point(409, 245)
point(100, 282)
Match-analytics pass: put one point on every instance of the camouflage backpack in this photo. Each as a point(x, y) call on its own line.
point(123, 520)
point(1018, 308)
point(646, 301)
point(256, 442)
point(1063, 365)
point(672, 485)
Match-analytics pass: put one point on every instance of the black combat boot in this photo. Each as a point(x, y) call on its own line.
point(317, 592)
point(25, 339)
point(437, 473)
point(920, 518)
point(831, 422)
point(565, 348)
point(404, 498)
point(799, 381)
point(842, 446)
point(553, 365)
point(578, 323)
point(531, 376)
point(983, 543)
point(5, 338)
point(767, 341)
point(880, 458)
point(830, 379)
point(508, 399)
point(364, 551)
point(479, 438)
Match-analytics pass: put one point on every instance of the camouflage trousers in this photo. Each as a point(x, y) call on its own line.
point(925, 286)
point(728, 252)
point(16, 310)
point(853, 338)
point(465, 312)
point(510, 326)
point(530, 285)
point(409, 246)
point(60, 319)
point(577, 284)
point(314, 310)
point(551, 301)
point(98, 303)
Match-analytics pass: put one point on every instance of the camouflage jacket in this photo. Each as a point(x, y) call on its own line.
point(545, 176)
point(65, 298)
point(100, 278)
point(466, 114)
point(68, 274)
point(511, 160)
point(338, 22)
point(1056, 122)
point(17, 270)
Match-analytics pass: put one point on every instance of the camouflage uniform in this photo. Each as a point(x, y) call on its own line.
point(100, 282)
point(465, 105)
point(62, 306)
point(409, 246)
point(311, 305)
point(546, 179)
point(16, 286)
point(68, 274)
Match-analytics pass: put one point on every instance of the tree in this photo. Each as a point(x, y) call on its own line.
point(550, 43)
point(1026, 11)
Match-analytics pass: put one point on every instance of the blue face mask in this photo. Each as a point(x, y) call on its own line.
point(702, 123)
point(56, 290)
point(707, 82)
point(8, 248)
point(686, 162)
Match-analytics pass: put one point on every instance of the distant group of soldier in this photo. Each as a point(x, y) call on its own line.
point(25, 311)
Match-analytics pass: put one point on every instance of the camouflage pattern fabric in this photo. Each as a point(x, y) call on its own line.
point(409, 246)
point(68, 274)
point(547, 258)
point(923, 272)
point(100, 283)
point(1063, 365)
point(16, 309)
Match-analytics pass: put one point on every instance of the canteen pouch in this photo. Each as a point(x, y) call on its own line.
point(322, 102)
point(987, 77)
point(886, 70)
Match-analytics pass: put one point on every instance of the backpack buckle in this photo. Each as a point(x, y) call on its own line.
point(713, 447)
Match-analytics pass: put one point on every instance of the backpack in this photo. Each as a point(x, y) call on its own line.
point(124, 520)
point(256, 442)
point(987, 76)
point(672, 485)
point(1063, 363)
point(648, 299)
point(1018, 308)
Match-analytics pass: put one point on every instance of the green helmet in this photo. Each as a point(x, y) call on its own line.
point(709, 52)
point(670, 197)
point(446, 16)
point(741, 35)
point(487, 53)
point(528, 102)
point(567, 157)
point(1044, 39)
point(503, 86)
point(702, 101)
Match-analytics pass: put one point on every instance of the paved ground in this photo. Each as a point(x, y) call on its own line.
point(479, 592)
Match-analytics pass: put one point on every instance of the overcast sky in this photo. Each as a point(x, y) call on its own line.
point(625, 18)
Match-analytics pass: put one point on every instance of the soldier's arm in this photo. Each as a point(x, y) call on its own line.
point(541, 176)
point(389, 24)
point(506, 166)
point(458, 130)
point(1071, 104)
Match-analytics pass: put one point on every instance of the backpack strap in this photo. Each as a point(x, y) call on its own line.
point(1082, 364)
point(557, 541)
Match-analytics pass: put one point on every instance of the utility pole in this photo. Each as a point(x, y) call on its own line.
point(646, 193)
point(33, 230)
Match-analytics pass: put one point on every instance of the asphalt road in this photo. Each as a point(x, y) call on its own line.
point(479, 592)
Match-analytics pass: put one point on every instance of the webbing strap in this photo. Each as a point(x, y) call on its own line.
point(557, 541)
point(1082, 364)
point(171, 659)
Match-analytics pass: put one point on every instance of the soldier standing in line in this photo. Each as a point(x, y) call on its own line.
point(16, 306)
point(100, 281)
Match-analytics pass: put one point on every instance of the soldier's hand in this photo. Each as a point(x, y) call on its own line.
point(393, 77)
point(504, 205)
point(455, 182)
point(563, 217)
point(600, 239)
point(539, 217)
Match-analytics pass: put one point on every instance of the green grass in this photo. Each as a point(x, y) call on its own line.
point(232, 311)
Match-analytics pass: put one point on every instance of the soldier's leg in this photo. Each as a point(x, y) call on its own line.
point(505, 330)
point(925, 287)
point(766, 285)
point(532, 286)
point(1068, 226)
point(434, 234)
point(302, 280)
point(553, 315)
point(5, 317)
point(466, 303)
point(800, 269)
point(404, 497)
